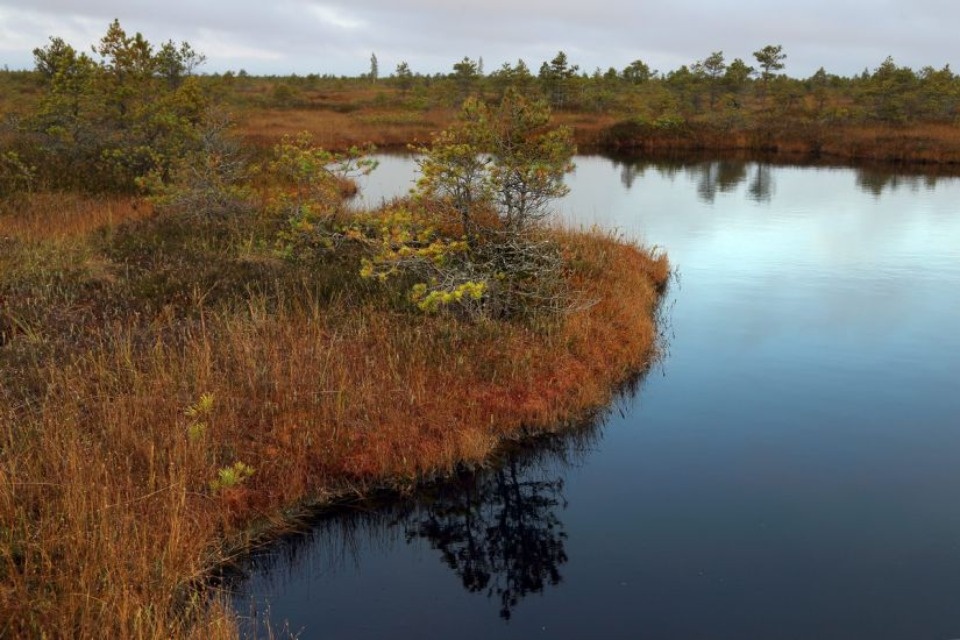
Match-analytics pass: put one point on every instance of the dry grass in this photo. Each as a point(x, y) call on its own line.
point(921, 143)
point(355, 116)
point(926, 144)
point(336, 131)
point(342, 113)
point(63, 216)
point(914, 144)
point(387, 127)
point(109, 519)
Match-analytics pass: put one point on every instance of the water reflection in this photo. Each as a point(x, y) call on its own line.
point(793, 477)
point(710, 177)
point(713, 176)
point(500, 530)
point(761, 187)
point(876, 181)
point(395, 176)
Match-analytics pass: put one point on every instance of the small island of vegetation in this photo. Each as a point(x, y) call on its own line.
point(200, 335)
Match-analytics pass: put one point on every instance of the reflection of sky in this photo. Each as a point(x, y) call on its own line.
point(794, 472)
point(394, 176)
point(813, 210)
point(821, 253)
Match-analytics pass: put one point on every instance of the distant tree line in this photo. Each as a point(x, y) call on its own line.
point(712, 89)
point(133, 108)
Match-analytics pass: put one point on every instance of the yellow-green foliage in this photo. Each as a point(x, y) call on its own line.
point(401, 241)
point(505, 158)
point(432, 301)
point(468, 240)
point(307, 186)
point(199, 413)
point(399, 236)
point(232, 476)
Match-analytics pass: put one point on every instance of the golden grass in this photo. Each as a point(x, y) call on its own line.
point(386, 126)
point(343, 113)
point(63, 216)
point(910, 144)
point(920, 143)
point(381, 126)
point(109, 521)
point(354, 116)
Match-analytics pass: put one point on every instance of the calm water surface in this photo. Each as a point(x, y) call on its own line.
point(791, 469)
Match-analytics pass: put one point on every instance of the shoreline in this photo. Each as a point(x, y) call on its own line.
point(300, 518)
point(374, 398)
point(295, 518)
point(920, 146)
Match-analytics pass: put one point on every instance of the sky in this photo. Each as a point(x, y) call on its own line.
point(281, 37)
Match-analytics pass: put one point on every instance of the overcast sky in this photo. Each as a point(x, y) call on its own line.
point(335, 36)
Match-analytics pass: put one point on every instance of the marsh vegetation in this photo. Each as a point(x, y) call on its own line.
point(198, 337)
point(201, 332)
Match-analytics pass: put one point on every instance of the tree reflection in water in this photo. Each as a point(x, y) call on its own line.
point(500, 531)
point(713, 176)
point(499, 528)
point(878, 180)
point(761, 187)
point(710, 176)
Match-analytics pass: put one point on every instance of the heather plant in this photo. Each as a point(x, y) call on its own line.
point(231, 476)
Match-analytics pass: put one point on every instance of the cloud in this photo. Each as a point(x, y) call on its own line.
point(334, 36)
point(336, 17)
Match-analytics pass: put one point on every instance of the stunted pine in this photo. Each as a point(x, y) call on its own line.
point(529, 161)
point(506, 160)
point(455, 168)
point(105, 123)
point(496, 170)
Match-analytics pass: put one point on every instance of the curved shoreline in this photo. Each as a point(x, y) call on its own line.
point(613, 341)
point(920, 145)
point(636, 311)
point(317, 393)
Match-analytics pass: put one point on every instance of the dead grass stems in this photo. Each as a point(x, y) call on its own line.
point(114, 426)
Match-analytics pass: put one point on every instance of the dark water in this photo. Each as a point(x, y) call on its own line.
point(791, 469)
